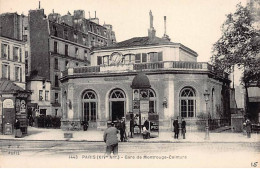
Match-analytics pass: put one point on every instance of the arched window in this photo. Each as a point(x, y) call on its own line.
point(89, 103)
point(152, 101)
point(117, 94)
point(187, 102)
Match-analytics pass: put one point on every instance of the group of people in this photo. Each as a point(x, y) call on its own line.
point(176, 128)
point(120, 125)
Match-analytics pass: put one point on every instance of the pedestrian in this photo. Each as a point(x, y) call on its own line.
point(146, 133)
point(122, 130)
point(17, 129)
point(176, 129)
point(85, 125)
point(146, 124)
point(248, 128)
point(132, 125)
point(111, 139)
point(183, 127)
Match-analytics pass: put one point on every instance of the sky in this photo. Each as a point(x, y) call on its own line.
point(193, 23)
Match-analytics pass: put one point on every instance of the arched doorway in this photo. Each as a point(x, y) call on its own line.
point(89, 104)
point(117, 101)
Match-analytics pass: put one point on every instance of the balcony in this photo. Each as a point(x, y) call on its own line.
point(149, 67)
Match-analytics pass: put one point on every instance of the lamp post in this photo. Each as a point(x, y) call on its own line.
point(206, 96)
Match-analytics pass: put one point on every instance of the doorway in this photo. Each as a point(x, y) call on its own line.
point(118, 110)
point(117, 104)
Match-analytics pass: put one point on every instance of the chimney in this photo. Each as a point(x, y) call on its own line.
point(151, 30)
point(39, 4)
point(165, 36)
point(95, 15)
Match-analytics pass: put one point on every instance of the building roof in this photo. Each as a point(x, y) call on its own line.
point(7, 86)
point(143, 41)
point(140, 81)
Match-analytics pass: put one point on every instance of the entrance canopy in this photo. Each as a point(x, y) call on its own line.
point(141, 81)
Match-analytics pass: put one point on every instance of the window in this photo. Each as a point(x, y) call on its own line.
point(160, 56)
point(47, 95)
point(187, 102)
point(55, 31)
point(56, 64)
point(77, 64)
point(66, 64)
point(40, 95)
point(138, 58)
point(26, 54)
point(26, 66)
point(156, 56)
point(89, 102)
point(86, 54)
point(55, 47)
point(56, 98)
point(66, 35)
point(75, 35)
point(56, 81)
point(56, 112)
point(153, 57)
point(66, 50)
point(18, 74)
point(106, 60)
point(128, 58)
point(5, 71)
point(25, 38)
point(16, 54)
point(76, 52)
point(152, 101)
point(5, 51)
point(144, 57)
point(99, 60)
point(91, 28)
point(25, 28)
point(84, 40)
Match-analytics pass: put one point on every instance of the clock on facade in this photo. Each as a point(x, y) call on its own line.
point(116, 58)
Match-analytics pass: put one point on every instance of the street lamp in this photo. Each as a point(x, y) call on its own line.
point(206, 96)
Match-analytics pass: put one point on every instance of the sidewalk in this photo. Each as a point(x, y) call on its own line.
point(35, 134)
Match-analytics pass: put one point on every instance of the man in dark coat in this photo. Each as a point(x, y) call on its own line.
point(132, 125)
point(183, 127)
point(248, 128)
point(17, 126)
point(122, 130)
point(146, 124)
point(111, 139)
point(176, 129)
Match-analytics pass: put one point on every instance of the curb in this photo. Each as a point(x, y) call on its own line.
point(137, 141)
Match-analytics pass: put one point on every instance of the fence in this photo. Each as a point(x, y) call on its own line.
point(213, 123)
point(43, 121)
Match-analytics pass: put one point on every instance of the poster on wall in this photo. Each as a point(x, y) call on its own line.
point(23, 106)
point(8, 104)
point(144, 106)
point(144, 94)
point(136, 104)
point(17, 105)
point(144, 116)
point(136, 94)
